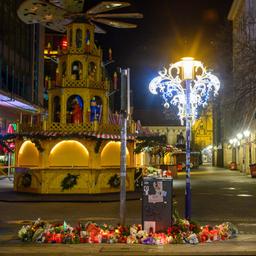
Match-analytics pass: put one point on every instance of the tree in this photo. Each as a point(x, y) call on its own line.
point(244, 63)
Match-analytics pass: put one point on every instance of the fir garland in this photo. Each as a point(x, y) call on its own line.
point(69, 181)
point(61, 135)
point(114, 181)
point(149, 141)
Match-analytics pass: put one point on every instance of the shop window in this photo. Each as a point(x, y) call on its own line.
point(69, 153)
point(110, 155)
point(28, 154)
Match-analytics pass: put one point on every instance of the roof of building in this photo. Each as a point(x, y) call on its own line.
point(234, 9)
point(7, 100)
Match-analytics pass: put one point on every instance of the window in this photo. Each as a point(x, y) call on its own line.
point(56, 109)
point(77, 70)
point(92, 70)
point(88, 37)
point(70, 37)
point(78, 38)
point(64, 68)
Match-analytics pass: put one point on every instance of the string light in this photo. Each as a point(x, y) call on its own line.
point(169, 84)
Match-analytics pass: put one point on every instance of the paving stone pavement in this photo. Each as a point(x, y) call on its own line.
point(242, 245)
point(232, 185)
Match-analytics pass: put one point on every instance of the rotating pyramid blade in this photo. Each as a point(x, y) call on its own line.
point(59, 3)
point(69, 5)
point(99, 30)
point(106, 6)
point(31, 11)
point(57, 25)
point(119, 15)
point(116, 24)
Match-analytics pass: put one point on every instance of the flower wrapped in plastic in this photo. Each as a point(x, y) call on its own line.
point(227, 230)
point(182, 231)
point(33, 232)
point(25, 233)
point(160, 238)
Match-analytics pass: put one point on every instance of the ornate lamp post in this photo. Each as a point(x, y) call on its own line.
point(187, 85)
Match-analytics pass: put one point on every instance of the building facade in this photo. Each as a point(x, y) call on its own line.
point(21, 68)
point(239, 141)
point(21, 48)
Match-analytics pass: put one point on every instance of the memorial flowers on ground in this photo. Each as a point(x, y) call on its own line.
point(182, 231)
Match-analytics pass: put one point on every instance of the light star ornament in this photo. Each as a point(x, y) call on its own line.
point(170, 85)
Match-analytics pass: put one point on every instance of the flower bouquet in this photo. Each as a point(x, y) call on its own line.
point(182, 231)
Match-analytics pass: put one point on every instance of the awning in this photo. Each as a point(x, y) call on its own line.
point(7, 100)
point(57, 135)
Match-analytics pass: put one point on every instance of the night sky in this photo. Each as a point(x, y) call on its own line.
point(170, 29)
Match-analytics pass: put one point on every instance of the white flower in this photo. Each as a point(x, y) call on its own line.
point(142, 233)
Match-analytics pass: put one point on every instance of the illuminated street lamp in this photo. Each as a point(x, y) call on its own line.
point(239, 136)
point(187, 85)
point(246, 133)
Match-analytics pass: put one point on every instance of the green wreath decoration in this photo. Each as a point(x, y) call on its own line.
point(69, 181)
point(26, 180)
point(114, 181)
point(37, 144)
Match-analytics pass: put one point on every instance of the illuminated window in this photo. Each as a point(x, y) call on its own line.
point(77, 70)
point(110, 155)
point(92, 71)
point(28, 154)
point(69, 153)
point(88, 37)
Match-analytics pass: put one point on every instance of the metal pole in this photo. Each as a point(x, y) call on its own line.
point(124, 87)
point(128, 94)
point(9, 165)
point(188, 128)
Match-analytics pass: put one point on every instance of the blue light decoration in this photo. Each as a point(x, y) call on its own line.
point(169, 84)
point(187, 85)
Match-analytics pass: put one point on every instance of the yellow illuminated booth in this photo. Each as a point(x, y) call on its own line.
point(76, 149)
